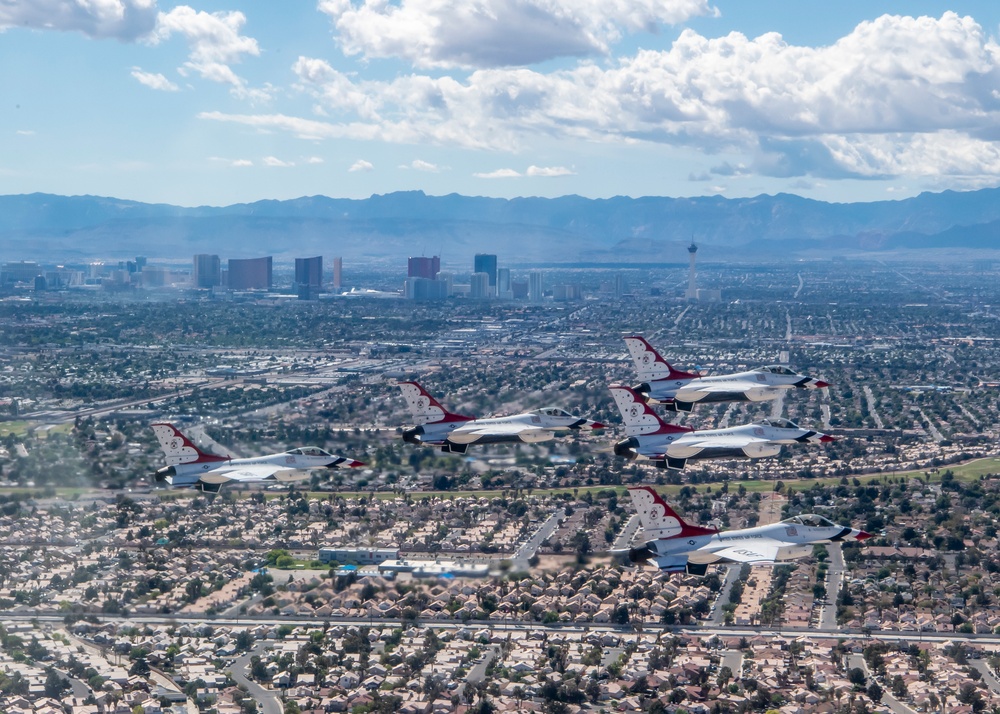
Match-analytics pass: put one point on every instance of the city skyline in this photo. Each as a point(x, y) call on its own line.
point(219, 103)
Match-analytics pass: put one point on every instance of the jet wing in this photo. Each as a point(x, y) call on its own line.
point(728, 387)
point(720, 442)
point(506, 432)
point(248, 474)
point(764, 550)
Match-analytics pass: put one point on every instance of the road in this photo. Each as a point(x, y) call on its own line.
point(870, 398)
point(523, 554)
point(856, 660)
point(624, 539)
point(267, 700)
point(834, 582)
point(734, 660)
point(732, 575)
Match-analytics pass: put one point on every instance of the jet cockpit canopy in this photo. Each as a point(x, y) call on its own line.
point(779, 422)
point(555, 412)
point(776, 369)
point(809, 519)
point(310, 451)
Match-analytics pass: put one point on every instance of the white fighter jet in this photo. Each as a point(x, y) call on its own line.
point(437, 426)
point(670, 446)
point(660, 383)
point(675, 546)
point(190, 467)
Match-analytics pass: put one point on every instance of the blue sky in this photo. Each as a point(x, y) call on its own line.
point(220, 102)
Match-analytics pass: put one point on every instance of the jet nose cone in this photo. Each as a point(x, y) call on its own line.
point(358, 464)
point(826, 438)
point(595, 425)
point(862, 535)
point(820, 384)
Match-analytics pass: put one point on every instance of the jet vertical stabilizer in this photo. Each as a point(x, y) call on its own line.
point(649, 364)
point(658, 519)
point(639, 417)
point(178, 449)
point(425, 408)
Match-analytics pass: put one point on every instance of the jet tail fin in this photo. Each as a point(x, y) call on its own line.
point(658, 519)
point(650, 364)
point(425, 408)
point(639, 417)
point(179, 449)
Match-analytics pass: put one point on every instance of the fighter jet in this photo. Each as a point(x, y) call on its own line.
point(679, 391)
point(670, 446)
point(190, 467)
point(437, 426)
point(675, 546)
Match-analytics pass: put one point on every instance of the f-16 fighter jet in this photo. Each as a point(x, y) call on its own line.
point(679, 391)
point(669, 446)
point(190, 467)
point(454, 432)
point(675, 546)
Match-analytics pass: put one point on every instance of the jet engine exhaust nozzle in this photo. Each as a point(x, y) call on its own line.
point(413, 434)
point(626, 447)
point(161, 475)
point(640, 555)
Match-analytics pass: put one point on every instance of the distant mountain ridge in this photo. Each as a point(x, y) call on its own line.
point(566, 229)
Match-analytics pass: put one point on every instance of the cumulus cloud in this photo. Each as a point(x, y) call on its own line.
point(418, 165)
point(154, 80)
point(361, 165)
point(314, 160)
point(549, 171)
point(497, 33)
point(276, 162)
point(214, 43)
point(897, 96)
point(126, 20)
point(499, 173)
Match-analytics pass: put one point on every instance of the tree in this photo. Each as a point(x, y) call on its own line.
point(875, 692)
point(856, 676)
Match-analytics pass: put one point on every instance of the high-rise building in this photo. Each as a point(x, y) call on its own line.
point(519, 289)
point(338, 273)
point(535, 286)
point(479, 286)
point(486, 263)
point(503, 284)
point(21, 272)
point(207, 271)
point(692, 291)
point(423, 267)
point(424, 289)
point(449, 280)
point(250, 274)
point(309, 271)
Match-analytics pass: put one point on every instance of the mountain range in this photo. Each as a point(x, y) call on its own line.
point(524, 230)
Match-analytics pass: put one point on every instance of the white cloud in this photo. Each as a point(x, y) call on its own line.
point(126, 20)
point(496, 33)
point(314, 160)
point(25, 132)
point(154, 81)
point(897, 96)
point(498, 174)
point(549, 171)
point(276, 162)
point(418, 165)
point(361, 165)
point(214, 43)
point(241, 163)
